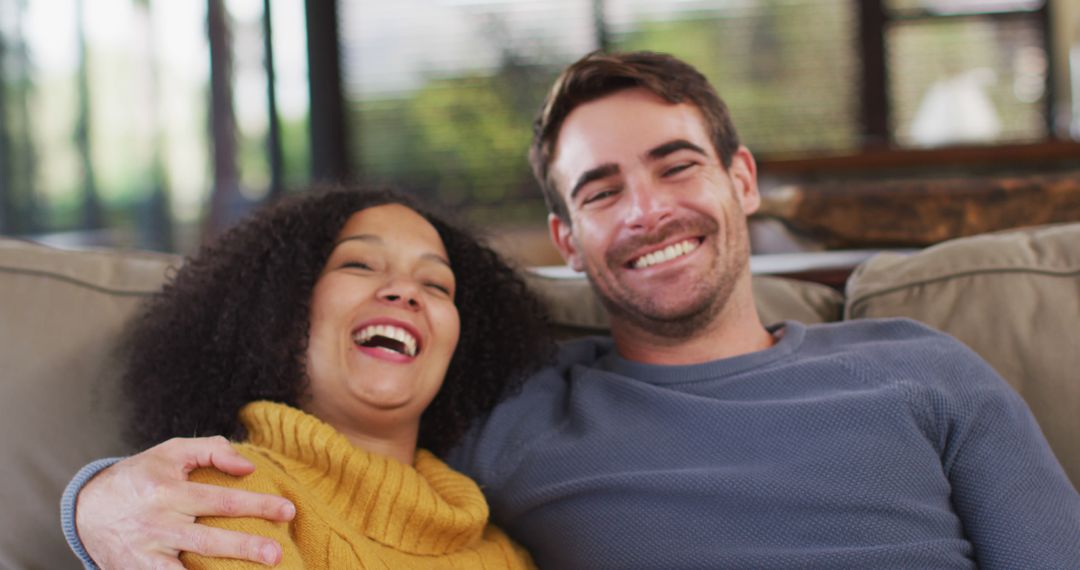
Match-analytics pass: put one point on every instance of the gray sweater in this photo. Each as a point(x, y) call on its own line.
point(864, 444)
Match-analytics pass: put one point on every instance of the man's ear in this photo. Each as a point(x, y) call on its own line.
point(743, 173)
point(563, 238)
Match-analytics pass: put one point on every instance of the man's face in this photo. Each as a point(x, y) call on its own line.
point(656, 221)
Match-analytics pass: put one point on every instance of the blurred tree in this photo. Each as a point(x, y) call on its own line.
point(91, 216)
point(227, 204)
point(7, 206)
point(153, 218)
point(19, 213)
point(777, 64)
point(463, 140)
point(469, 126)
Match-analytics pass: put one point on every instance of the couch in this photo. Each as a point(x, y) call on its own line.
point(1014, 297)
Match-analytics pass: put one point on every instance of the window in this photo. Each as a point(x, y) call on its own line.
point(146, 122)
point(441, 93)
point(967, 72)
point(106, 115)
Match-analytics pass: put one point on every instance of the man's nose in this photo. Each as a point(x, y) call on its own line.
point(650, 206)
point(404, 293)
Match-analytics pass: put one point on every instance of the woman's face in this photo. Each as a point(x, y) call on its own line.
point(383, 324)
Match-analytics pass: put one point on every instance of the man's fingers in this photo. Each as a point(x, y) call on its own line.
point(214, 452)
point(163, 563)
point(221, 543)
point(203, 500)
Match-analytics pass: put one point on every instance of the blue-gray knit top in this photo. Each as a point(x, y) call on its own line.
point(863, 444)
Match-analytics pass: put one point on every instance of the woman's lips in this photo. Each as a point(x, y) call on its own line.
point(388, 339)
point(385, 354)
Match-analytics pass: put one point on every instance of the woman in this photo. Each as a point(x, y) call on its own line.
point(335, 333)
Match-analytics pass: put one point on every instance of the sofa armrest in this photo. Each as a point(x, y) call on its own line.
point(62, 316)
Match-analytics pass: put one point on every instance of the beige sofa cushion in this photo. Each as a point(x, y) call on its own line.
point(1013, 297)
point(575, 309)
point(60, 315)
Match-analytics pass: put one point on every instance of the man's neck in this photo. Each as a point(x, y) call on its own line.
point(735, 330)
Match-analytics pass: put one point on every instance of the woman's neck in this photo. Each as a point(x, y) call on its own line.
point(393, 437)
point(398, 446)
point(390, 434)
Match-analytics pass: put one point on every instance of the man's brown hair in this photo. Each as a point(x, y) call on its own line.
point(600, 74)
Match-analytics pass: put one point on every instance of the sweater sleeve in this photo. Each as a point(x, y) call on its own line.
point(67, 507)
point(1016, 503)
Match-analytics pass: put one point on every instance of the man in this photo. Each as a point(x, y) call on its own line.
point(694, 437)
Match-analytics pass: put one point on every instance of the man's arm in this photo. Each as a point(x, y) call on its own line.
point(67, 507)
point(140, 512)
point(1018, 507)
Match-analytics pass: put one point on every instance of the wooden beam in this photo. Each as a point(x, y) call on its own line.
point(913, 213)
point(996, 156)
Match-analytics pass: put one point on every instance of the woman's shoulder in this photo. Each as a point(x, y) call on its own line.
point(270, 473)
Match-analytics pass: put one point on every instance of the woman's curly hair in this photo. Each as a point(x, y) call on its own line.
point(231, 326)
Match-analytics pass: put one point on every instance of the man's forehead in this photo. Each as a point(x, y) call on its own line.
point(622, 127)
point(607, 121)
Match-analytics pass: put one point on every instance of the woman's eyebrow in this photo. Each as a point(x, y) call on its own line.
point(377, 240)
point(360, 237)
point(438, 259)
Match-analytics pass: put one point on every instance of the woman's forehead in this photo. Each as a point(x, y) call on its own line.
point(395, 223)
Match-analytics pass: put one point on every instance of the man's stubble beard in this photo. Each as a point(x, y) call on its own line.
point(710, 296)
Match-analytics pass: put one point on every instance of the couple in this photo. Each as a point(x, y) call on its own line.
point(694, 437)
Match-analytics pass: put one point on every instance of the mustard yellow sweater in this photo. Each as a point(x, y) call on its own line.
point(357, 509)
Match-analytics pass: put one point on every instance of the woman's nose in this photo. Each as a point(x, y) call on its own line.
point(401, 292)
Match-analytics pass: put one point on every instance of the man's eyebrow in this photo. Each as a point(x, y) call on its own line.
point(602, 171)
point(675, 146)
point(372, 238)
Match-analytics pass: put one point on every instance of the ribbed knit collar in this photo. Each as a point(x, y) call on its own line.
point(425, 509)
point(790, 334)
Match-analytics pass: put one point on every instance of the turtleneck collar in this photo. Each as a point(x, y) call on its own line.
point(425, 508)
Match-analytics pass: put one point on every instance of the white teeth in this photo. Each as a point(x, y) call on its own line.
point(389, 331)
point(668, 253)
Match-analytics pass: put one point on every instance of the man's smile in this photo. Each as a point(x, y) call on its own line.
point(665, 254)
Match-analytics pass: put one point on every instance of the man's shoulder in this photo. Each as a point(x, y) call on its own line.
point(899, 338)
point(517, 421)
point(579, 353)
point(872, 331)
point(901, 349)
point(583, 351)
point(551, 379)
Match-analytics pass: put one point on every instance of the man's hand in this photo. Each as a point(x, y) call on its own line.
point(140, 513)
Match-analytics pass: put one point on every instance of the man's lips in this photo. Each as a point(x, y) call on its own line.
point(664, 253)
point(685, 235)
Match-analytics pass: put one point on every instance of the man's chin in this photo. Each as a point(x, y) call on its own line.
point(676, 319)
point(665, 302)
